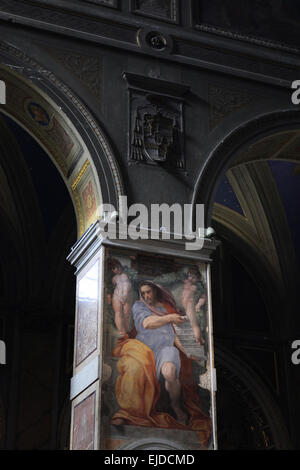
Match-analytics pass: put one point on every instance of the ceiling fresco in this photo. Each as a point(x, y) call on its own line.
point(287, 177)
point(227, 197)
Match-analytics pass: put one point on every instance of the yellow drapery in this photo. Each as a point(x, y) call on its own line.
point(138, 391)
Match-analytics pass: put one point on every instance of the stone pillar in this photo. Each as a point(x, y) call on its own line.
point(87, 256)
point(119, 398)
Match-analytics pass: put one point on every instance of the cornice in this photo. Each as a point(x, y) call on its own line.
point(92, 240)
point(203, 49)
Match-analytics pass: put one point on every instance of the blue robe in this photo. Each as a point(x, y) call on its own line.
point(159, 340)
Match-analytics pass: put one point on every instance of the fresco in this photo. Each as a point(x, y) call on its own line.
point(87, 315)
point(155, 350)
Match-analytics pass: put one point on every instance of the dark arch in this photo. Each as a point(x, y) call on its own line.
point(262, 406)
point(258, 270)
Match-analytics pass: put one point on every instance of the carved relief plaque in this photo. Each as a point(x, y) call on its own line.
point(156, 132)
point(156, 127)
point(87, 69)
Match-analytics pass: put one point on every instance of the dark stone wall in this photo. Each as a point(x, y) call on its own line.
point(214, 104)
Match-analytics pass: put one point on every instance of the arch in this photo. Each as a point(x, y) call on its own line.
point(258, 269)
point(264, 224)
point(222, 156)
point(66, 130)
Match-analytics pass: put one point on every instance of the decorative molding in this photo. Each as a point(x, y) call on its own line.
point(88, 8)
point(71, 19)
point(91, 241)
point(87, 69)
point(85, 377)
point(157, 444)
point(84, 422)
point(244, 37)
point(79, 214)
point(232, 32)
point(86, 200)
point(152, 40)
point(100, 26)
point(85, 248)
point(85, 197)
point(153, 85)
point(105, 3)
point(34, 72)
point(35, 80)
point(224, 101)
point(80, 175)
point(165, 10)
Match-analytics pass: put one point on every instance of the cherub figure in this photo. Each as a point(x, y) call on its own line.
point(191, 296)
point(121, 299)
point(191, 301)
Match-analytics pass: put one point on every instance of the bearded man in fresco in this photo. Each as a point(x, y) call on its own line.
point(154, 325)
point(154, 352)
